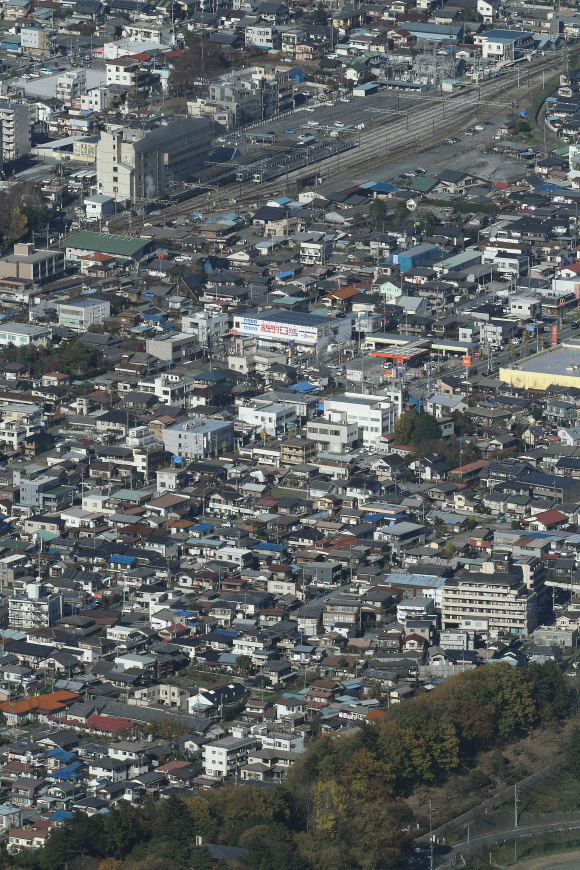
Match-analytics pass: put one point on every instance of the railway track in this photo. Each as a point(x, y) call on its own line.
point(385, 140)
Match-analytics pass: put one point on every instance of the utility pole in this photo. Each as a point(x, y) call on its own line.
point(515, 805)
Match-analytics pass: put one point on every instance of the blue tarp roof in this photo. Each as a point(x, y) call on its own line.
point(61, 815)
point(284, 274)
point(274, 548)
point(203, 527)
point(61, 755)
point(303, 387)
point(122, 560)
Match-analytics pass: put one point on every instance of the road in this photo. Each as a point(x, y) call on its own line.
point(476, 844)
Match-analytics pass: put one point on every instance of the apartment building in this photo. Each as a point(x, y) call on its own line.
point(198, 437)
point(297, 451)
point(223, 758)
point(207, 327)
point(34, 608)
point(15, 123)
point(502, 599)
point(142, 160)
point(71, 85)
point(173, 348)
point(272, 418)
point(374, 417)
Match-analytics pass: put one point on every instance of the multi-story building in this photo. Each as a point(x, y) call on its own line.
point(296, 451)
point(22, 335)
point(35, 40)
point(223, 758)
point(173, 348)
point(374, 417)
point(15, 122)
point(32, 265)
point(333, 437)
point(34, 609)
point(207, 327)
point(502, 599)
point(140, 161)
point(83, 312)
point(96, 99)
point(274, 329)
point(273, 418)
point(71, 85)
point(198, 437)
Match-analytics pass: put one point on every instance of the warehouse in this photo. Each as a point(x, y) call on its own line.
point(559, 366)
point(124, 247)
point(293, 329)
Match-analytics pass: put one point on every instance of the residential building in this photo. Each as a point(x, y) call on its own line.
point(503, 599)
point(223, 758)
point(83, 312)
point(198, 437)
point(15, 122)
point(374, 417)
point(34, 608)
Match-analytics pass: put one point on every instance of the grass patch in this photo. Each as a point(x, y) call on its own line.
point(509, 854)
point(559, 793)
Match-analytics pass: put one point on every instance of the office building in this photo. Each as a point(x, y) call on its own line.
point(374, 416)
point(142, 160)
point(32, 265)
point(83, 312)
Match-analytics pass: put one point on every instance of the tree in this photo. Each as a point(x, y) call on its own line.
point(18, 225)
point(404, 428)
point(378, 211)
point(449, 550)
point(426, 428)
point(522, 126)
point(244, 663)
point(320, 14)
point(572, 751)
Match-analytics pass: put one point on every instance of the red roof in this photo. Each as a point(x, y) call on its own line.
point(108, 724)
point(572, 267)
point(551, 517)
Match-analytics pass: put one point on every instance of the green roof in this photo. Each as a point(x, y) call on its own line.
point(107, 243)
point(423, 184)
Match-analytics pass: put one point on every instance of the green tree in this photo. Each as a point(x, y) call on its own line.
point(449, 550)
point(320, 14)
point(426, 429)
point(244, 663)
point(404, 428)
point(18, 226)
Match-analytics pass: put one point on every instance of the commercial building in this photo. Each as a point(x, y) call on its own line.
point(504, 44)
point(374, 417)
point(198, 437)
point(206, 327)
point(86, 242)
point(559, 366)
point(21, 334)
point(32, 265)
point(82, 313)
point(293, 329)
point(415, 256)
point(141, 161)
point(15, 123)
point(503, 599)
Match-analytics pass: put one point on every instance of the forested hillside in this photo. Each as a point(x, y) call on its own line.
point(341, 806)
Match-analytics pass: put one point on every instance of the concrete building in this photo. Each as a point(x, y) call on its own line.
point(15, 122)
point(223, 758)
point(373, 416)
point(71, 85)
point(35, 608)
point(503, 599)
point(275, 328)
point(142, 160)
point(83, 312)
point(333, 437)
point(32, 265)
point(22, 335)
point(173, 348)
point(95, 99)
point(559, 366)
point(206, 327)
point(273, 419)
point(198, 437)
point(35, 40)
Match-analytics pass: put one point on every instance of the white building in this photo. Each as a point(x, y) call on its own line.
point(198, 437)
point(525, 307)
point(223, 758)
point(71, 85)
point(274, 419)
point(15, 122)
point(206, 327)
point(98, 206)
point(34, 608)
point(333, 437)
point(21, 334)
point(274, 328)
point(375, 417)
point(95, 99)
point(83, 312)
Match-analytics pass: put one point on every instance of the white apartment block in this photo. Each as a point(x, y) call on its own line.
point(502, 599)
point(374, 416)
point(15, 122)
point(223, 758)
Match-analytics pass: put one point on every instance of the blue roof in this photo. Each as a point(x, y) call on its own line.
point(61, 815)
point(374, 518)
point(61, 755)
point(68, 773)
point(274, 548)
point(203, 527)
point(303, 387)
point(122, 560)
point(284, 274)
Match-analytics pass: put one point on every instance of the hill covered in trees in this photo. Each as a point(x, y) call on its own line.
point(342, 805)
